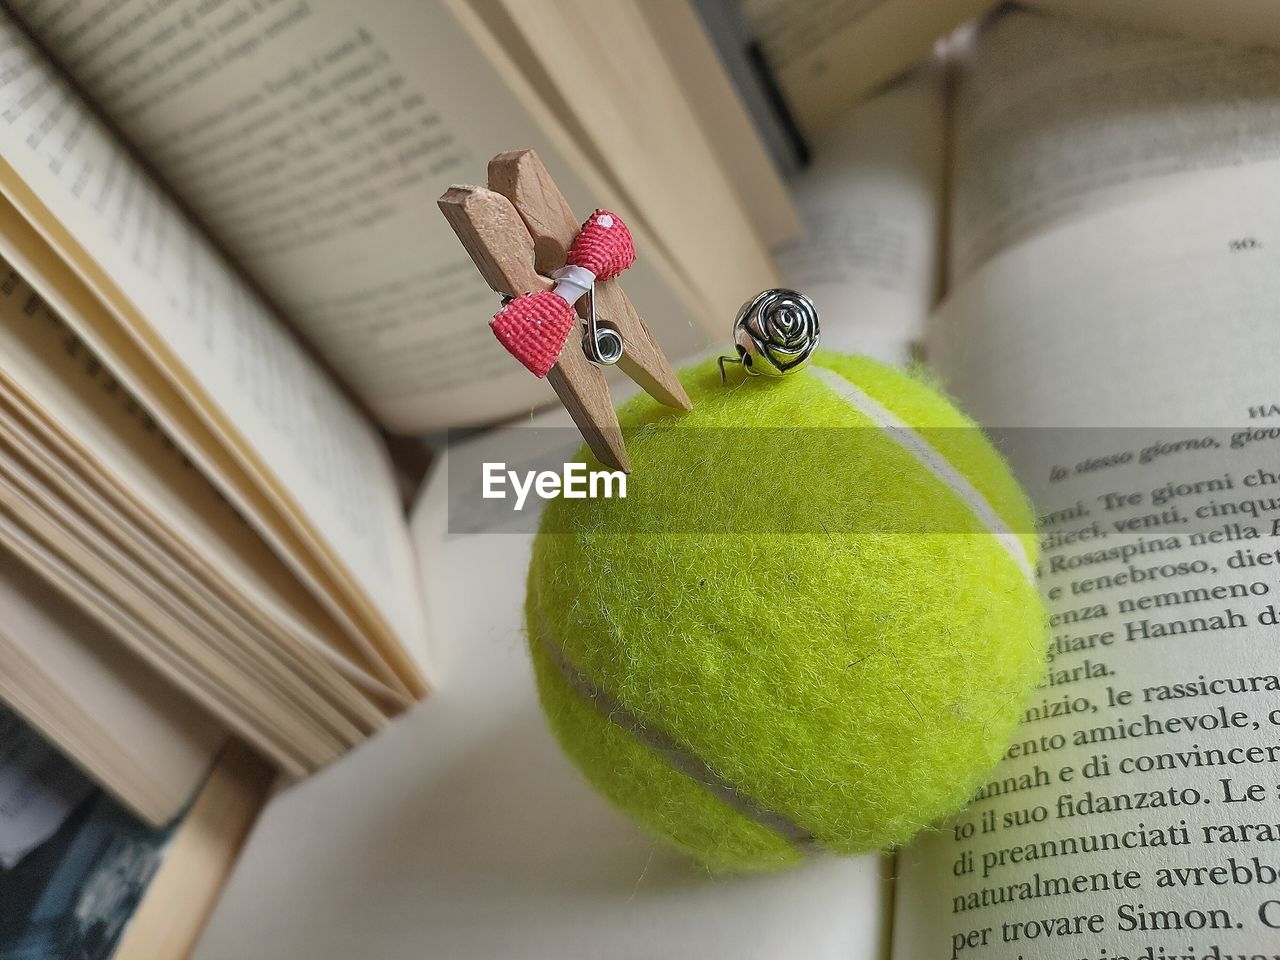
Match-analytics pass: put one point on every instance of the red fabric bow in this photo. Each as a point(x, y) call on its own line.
point(535, 326)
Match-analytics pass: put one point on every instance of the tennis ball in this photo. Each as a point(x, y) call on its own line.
point(811, 625)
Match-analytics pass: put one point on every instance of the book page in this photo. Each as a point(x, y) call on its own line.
point(828, 54)
point(180, 315)
point(104, 708)
point(1058, 117)
point(483, 841)
point(871, 204)
point(312, 139)
point(70, 419)
point(1127, 362)
point(1248, 23)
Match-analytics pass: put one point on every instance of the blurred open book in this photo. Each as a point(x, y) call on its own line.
point(224, 281)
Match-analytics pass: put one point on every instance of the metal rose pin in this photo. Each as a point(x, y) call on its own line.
point(775, 333)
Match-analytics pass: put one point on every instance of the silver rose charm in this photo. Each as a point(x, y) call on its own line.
point(776, 333)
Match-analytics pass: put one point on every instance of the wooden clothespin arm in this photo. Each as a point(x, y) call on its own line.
point(503, 250)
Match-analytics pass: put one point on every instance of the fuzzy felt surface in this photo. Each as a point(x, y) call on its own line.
point(860, 673)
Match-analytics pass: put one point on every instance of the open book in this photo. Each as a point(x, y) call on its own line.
point(1110, 303)
point(223, 278)
point(827, 55)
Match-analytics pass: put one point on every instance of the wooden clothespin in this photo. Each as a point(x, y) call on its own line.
point(518, 232)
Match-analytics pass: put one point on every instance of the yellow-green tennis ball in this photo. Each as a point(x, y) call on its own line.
point(801, 630)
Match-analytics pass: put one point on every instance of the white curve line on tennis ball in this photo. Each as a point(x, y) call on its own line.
point(907, 438)
point(675, 754)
